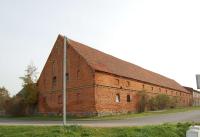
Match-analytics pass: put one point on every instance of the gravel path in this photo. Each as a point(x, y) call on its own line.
point(140, 121)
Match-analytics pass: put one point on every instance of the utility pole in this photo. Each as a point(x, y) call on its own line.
point(64, 80)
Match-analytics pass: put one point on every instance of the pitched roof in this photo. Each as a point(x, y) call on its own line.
point(103, 62)
point(191, 89)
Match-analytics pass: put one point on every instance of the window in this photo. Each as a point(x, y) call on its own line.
point(166, 91)
point(152, 88)
point(54, 82)
point(117, 98)
point(160, 89)
point(128, 98)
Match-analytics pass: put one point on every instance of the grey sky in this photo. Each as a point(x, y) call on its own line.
point(162, 36)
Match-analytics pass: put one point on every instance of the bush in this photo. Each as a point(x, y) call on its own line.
point(158, 102)
point(161, 101)
point(143, 100)
point(152, 104)
point(29, 95)
point(15, 107)
point(173, 102)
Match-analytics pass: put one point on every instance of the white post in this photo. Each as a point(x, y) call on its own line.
point(64, 80)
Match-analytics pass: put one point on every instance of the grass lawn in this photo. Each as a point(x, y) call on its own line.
point(165, 130)
point(39, 118)
point(111, 117)
point(148, 113)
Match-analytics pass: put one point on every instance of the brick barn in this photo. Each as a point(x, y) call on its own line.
point(98, 83)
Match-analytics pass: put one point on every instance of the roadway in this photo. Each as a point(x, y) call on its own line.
point(189, 116)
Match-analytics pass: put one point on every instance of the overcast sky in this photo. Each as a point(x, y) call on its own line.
point(160, 35)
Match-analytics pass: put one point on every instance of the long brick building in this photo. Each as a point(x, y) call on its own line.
point(98, 83)
point(195, 96)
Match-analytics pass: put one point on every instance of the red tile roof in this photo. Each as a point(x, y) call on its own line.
point(103, 62)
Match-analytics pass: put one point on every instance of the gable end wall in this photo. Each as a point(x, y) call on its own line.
point(80, 89)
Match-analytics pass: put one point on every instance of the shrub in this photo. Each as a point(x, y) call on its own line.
point(173, 102)
point(162, 101)
point(15, 106)
point(152, 104)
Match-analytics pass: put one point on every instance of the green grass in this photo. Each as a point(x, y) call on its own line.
point(165, 130)
point(148, 113)
point(111, 117)
point(39, 118)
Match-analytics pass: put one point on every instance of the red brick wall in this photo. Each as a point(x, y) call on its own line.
point(109, 85)
point(80, 86)
point(48, 96)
